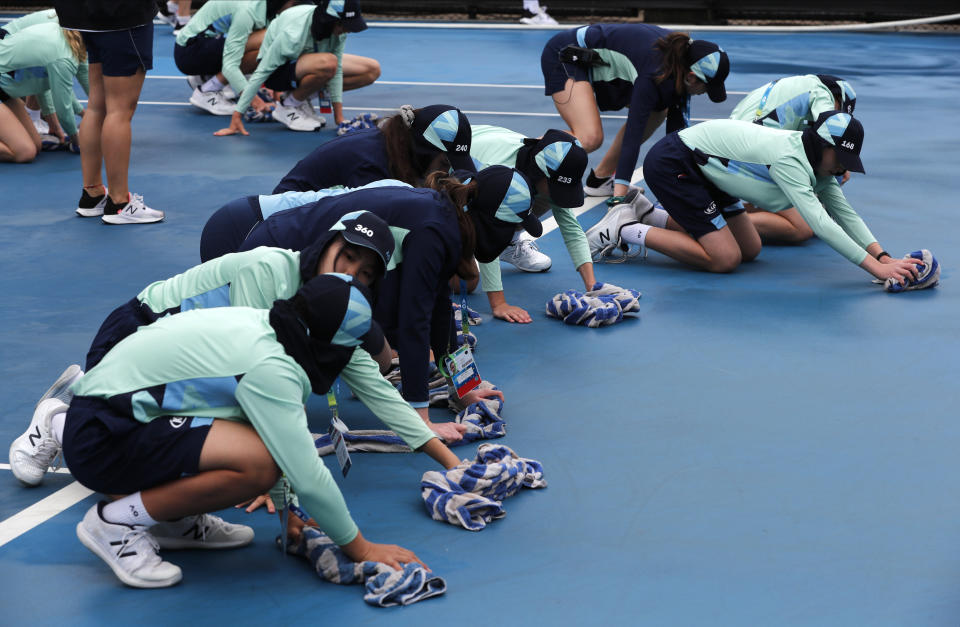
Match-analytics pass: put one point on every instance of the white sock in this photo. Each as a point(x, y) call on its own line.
point(656, 217)
point(56, 426)
point(290, 101)
point(183, 19)
point(531, 5)
point(172, 6)
point(128, 511)
point(515, 238)
point(34, 114)
point(213, 84)
point(635, 233)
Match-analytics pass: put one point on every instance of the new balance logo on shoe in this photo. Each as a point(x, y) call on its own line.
point(35, 437)
point(604, 236)
point(198, 533)
point(120, 551)
point(293, 116)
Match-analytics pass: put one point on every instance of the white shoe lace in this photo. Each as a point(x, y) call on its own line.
point(526, 248)
point(47, 451)
point(133, 536)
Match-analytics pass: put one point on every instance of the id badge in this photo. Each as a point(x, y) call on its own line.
point(337, 429)
point(463, 370)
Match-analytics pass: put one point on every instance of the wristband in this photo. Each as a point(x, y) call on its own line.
point(881, 254)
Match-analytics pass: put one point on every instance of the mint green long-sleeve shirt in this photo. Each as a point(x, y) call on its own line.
point(495, 145)
point(234, 20)
point(769, 168)
point(797, 101)
point(40, 59)
point(288, 38)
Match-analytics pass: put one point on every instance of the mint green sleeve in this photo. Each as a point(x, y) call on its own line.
point(271, 395)
point(335, 85)
point(793, 179)
point(274, 276)
point(490, 277)
point(233, 48)
point(363, 376)
point(61, 73)
point(282, 49)
point(83, 77)
point(46, 102)
point(573, 235)
point(820, 100)
point(843, 214)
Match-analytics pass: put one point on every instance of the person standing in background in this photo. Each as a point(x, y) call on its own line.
point(119, 40)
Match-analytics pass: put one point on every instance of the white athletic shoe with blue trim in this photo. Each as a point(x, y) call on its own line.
point(525, 255)
point(130, 551)
point(32, 453)
point(604, 237)
point(204, 531)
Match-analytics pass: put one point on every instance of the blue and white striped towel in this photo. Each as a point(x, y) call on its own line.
point(385, 586)
point(471, 494)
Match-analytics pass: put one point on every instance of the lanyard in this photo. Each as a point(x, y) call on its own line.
point(763, 99)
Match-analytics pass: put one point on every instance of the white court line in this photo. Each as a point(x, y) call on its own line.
point(40, 512)
point(59, 471)
point(532, 114)
point(428, 84)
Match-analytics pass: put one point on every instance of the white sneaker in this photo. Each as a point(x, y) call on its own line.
point(295, 119)
point(32, 453)
point(539, 19)
point(204, 531)
point(604, 237)
point(60, 389)
point(525, 255)
point(229, 93)
point(195, 81)
point(596, 186)
point(134, 212)
point(170, 19)
point(87, 208)
point(38, 122)
point(306, 108)
point(212, 102)
point(130, 551)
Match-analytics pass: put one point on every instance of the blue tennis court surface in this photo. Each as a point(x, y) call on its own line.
point(777, 446)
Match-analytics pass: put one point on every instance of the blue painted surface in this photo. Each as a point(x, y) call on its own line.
point(776, 446)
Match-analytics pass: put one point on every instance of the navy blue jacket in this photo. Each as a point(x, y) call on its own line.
point(644, 95)
point(350, 160)
point(413, 303)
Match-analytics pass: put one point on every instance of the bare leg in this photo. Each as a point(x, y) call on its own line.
point(577, 105)
point(714, 252)
point(314, 70)
point(608, 165)
point(91, 129)
point(120, 94)
point(359, 71)
point(19, 140)
point(249, 62)
point(234, 466)
point(786, 226)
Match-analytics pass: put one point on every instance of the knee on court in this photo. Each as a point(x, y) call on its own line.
point(591, 140)
point(725, 262)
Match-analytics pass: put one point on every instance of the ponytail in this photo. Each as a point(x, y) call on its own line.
point(674, 48)
point(75, 41)
point(460, 195)
point(400, 155)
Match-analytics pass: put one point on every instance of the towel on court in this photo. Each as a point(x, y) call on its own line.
point(384, 585)
point(359, 122)
point(473, 316)
point(629, 300)
point(482, 418)
point(363, 441)
point(929, 273)
point(574, 307)
point(471, 494)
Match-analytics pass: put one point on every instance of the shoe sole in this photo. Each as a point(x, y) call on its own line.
point(63, 382)
point(113, 219)
point(88, 541)
point(89, 213)
point(596, 193)
point(547, 269)
point(211, 110)
point(177, 544)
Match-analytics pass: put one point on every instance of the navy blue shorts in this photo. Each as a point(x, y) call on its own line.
point(201, 56)
point(228, 227)
point(122, 52)
point(122, 321)
point(555, 73)
point(672, 172)
point(113, 453)
point(284, 78)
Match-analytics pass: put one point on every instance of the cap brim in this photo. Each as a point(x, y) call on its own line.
point(461, 161)
point(850, 161)
point(566, 196)
point(354, 24)
point(366, 242)
point(717, 91)
point(532, 225)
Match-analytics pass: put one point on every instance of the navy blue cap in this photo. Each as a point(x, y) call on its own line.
point(445, 128)
point(347, 12)
point(711, 65)
point(366, 229)
point(560, 157)
point(503, 202)
point(845, 133)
